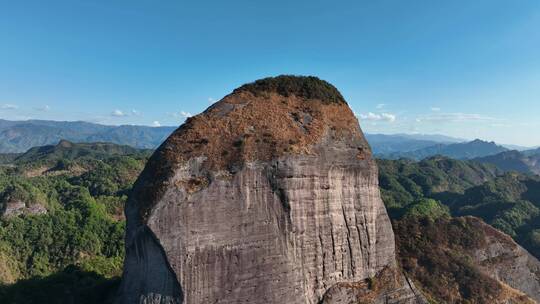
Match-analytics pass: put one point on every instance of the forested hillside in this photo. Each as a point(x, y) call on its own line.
point(508, 201)
point(439, 244)
point(62, 223)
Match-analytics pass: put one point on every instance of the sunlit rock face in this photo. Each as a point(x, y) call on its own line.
point(269, 196)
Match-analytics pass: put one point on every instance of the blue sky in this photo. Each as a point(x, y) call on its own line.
point(462, 68)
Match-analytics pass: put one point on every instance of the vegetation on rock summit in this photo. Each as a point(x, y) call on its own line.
point(308, 87)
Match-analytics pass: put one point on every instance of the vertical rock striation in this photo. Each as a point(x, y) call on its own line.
point(269, 196)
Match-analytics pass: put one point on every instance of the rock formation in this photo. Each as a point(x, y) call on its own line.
point(269, 196)
point(504, 260)
point(464, 260)
point(15, 208)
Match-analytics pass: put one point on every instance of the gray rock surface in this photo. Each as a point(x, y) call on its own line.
point(504, 260)
point(252, 202)
point(16, 207)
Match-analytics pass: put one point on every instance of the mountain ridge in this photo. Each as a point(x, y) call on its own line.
point(466, 150)
point(513, 160)
point(19, 136)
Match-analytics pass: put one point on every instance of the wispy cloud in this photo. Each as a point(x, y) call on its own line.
point(8, 106)
point(118, 113)
point(185, 114)
point(380, 106)
point(181, 114)
point(130, 113)
point(156, 124)
point(44, 108)
point(387, 117)
point(435, 109)
point(211, 100)
point(454, 117)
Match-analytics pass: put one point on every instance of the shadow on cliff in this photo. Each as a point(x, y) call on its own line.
point(152, 282)
point(70, 286)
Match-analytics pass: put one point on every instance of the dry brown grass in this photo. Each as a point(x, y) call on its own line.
point(438, 256)
point(243, 127)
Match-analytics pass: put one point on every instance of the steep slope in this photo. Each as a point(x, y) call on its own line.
point(514, 161)
point(464, 260)
point(510, 203)
point(531, 152)
point(405, 181)
point(269, 196)
point(62, 235)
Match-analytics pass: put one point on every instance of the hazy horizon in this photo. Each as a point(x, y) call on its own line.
point(418, 134)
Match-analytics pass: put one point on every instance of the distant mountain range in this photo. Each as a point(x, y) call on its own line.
point(19, 136)
point(524, 162)
point(384, 144)
point(462, 150)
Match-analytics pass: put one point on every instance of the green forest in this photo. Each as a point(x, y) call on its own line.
point(62, 224)
point(74, 243)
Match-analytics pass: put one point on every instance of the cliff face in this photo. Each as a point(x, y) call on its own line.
point(504, 260)
point(269, 196)
point(464, 260)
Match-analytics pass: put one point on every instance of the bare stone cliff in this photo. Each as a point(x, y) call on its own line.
point(269, 196)
point(503, 259)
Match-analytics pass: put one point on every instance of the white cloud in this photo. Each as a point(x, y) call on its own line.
point(455, 117)
point(44, 108)
point(156, 124)
point(378, 117)
point(435, 109)
point(388, 117)
point(181, 114)
point(380, 106)
point(135, 112)
point(8, 106)
point(211, 100)
point(118, 113)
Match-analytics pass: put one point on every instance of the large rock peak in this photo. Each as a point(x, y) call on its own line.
point(270, 195)
point(260, 121)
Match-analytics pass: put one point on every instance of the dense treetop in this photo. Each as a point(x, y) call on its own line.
point(308, 87)
point(75, 250)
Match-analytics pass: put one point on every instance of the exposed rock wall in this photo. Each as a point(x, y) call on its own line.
point(464, 260)
point(260, 199)
point(16, 207)
point(502, 259)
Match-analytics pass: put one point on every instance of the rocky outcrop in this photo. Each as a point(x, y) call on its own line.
point(13, 208)
point(464, 260)
point(269, 196)
point(503, 259)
